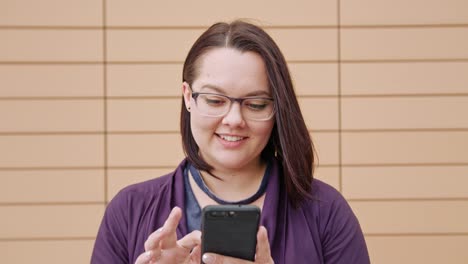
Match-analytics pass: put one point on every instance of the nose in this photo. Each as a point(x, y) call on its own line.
point(234, 116)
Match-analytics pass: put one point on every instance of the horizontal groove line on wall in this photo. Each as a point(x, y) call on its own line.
point(173, 167)
point(354, 200)
point(201, 27)
point(432, 164)
point(53, 133)
point(410, 199)
point(45, 98)
point(334, 165)
point(77, 133)
point(28, 239)
point(414, 234)
point(420, 60)
point(332, 96)
point(47, 27)
point(165, 132)
point(51, 168)
point(181, 62)
point(129, 62)
point(51, 63)
point(171, 97)
point(384, 130)
point(167, 97)
point(9, 204)
point(428, 25)
point(402, 95)
point(87, 168)
point(122, 27)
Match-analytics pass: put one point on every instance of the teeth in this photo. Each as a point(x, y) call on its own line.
point(231, 138)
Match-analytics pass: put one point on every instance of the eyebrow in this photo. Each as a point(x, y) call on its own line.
point(221, 91)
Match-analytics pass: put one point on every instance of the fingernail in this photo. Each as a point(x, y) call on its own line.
point(207, 258)
point(159, 230)
point(148, 254)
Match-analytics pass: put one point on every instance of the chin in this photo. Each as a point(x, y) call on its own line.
point(232, 162)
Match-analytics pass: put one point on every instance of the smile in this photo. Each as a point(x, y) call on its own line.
point(231, 138)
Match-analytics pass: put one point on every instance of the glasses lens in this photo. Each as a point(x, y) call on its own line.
point(218, 105)
point(212, 105)
point(258, 109)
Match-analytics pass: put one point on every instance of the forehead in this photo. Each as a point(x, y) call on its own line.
point(232, 69)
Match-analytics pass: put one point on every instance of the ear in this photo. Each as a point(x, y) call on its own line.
point(187, 93)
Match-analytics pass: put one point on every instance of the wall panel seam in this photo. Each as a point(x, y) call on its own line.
point(172, 97)
point(105, 92)
point(176, 132)
point(153, 62)
point(58, 203)
point(202, 27)
point(31, 239)
point(408, 199)
point(415, 234)
point(128, 62)
point(340, 123)
point(328, 165)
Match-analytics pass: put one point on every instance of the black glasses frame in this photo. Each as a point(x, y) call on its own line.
point(232, 99)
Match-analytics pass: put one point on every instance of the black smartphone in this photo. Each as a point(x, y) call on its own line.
point(230, 230)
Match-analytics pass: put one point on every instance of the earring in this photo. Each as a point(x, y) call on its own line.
point(188, 108)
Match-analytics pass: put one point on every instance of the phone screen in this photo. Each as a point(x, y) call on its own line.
point(230, 230)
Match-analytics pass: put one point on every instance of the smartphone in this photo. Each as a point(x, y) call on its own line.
point(230, 230)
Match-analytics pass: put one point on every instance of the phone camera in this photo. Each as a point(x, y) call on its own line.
point(218, 214)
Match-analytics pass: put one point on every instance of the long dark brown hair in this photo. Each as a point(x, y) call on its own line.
point(289, 141)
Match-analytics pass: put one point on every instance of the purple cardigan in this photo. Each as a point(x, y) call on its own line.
point(322, 230)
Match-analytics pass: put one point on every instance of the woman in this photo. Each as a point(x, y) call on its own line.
point(246, 143)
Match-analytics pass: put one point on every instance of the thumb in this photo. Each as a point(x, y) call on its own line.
point(211, 258)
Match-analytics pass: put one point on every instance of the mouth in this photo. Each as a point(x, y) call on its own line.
point(231, 138)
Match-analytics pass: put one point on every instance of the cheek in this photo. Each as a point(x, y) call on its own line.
point(202, 126)
point(264, 131)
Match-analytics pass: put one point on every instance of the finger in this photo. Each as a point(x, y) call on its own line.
point(169, 228)
point(173, 220)
point(263, 254)
point(144, 258)
point(211, 258)
point(157, 236)
point(154, 239)
point(190, 241)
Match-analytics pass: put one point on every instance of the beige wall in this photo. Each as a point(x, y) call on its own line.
point(89, 99)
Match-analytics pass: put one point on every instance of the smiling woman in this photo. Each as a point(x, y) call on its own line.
point(231, 143)
point(246, 143)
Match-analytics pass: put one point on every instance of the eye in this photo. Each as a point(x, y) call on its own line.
point(214, 100)
point(257, 104)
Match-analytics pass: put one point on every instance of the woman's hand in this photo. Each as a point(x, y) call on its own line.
point(162, 245)
point(262, 254)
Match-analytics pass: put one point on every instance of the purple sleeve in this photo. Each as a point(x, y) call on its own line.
point(342, 238)
point(111, 240)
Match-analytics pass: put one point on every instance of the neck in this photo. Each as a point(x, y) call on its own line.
point(235, 184)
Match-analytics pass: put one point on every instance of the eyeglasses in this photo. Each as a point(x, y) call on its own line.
point(252, 108)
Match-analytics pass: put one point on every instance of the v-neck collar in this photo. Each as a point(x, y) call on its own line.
point(273, 215)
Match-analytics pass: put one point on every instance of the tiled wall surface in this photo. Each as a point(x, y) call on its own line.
point(89, 103)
